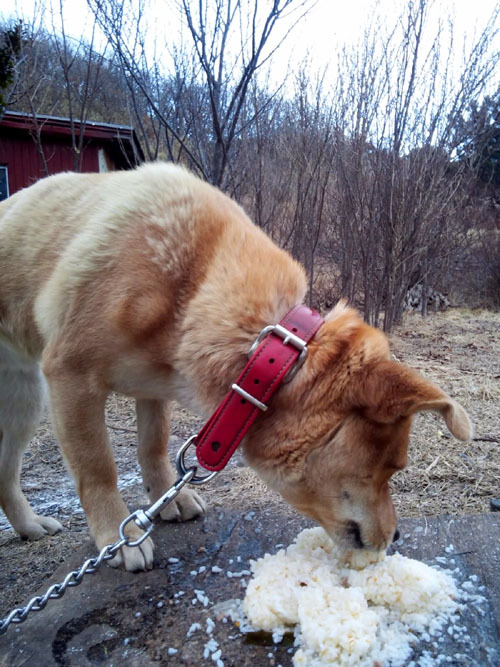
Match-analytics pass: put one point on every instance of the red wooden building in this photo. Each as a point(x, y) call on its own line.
point(31, 149)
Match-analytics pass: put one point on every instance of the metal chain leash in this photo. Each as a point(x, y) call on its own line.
point(142, 518)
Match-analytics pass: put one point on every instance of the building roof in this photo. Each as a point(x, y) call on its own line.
point(123, 144)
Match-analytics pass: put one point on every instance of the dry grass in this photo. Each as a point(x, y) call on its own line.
point(459, 350)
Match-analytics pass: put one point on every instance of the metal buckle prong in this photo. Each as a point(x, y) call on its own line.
point(244, 394)
point(282, 332)
point(289, 337)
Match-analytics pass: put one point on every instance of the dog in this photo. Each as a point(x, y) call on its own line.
point(154, 284)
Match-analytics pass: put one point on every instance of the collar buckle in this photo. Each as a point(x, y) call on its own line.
point(288, 337)
point(285, 334)
point(272, 362)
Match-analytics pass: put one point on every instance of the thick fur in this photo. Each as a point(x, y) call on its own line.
point(154, 284)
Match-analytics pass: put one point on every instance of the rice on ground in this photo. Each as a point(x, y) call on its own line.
point(344, 616)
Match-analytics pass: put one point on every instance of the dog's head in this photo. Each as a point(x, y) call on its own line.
point(337, 433)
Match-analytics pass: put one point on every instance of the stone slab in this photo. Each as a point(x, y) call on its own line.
point(132, 620)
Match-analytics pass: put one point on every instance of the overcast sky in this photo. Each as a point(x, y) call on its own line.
point(328, 24)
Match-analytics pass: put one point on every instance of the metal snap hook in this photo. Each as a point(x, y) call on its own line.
point(182, 469)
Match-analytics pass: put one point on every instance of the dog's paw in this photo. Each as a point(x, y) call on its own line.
point(38, 526)
point(134, 559)
point(187, 505)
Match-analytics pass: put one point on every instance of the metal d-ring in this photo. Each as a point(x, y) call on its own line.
point(181, 466)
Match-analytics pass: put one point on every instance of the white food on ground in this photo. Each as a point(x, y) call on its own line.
point(361, 558)
point(345, 616)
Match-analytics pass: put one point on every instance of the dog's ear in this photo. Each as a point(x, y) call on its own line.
point(388, 390)
point(345, 334)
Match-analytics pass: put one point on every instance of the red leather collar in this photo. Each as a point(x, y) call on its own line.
point(275, 357)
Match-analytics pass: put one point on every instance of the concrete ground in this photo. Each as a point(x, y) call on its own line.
point(132, 620)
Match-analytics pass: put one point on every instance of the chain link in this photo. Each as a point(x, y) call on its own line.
point(142, 518)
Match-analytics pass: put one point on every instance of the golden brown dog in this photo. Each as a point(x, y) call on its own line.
point(154, 284)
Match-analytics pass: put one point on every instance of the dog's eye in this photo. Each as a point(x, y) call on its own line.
point(346, 495)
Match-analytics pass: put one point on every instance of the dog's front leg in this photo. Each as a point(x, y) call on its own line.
point(78, 413)
point(153, 422)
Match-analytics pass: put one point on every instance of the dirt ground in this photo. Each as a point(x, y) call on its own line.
point(458, 349)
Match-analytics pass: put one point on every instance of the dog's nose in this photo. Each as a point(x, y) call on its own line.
point(396, 535)
point(354, 532)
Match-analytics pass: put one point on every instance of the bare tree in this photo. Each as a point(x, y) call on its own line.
point(55, 74)
point(32, 77)
point(309, 149)
point(363, 178)
point(262, 174)
point(231, 42)
point(396, 191)
point(80, 65)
